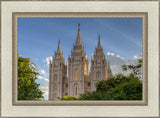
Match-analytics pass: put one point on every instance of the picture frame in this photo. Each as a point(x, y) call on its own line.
point(11, 107)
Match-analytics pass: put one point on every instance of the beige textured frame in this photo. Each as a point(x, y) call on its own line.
point(81, 103)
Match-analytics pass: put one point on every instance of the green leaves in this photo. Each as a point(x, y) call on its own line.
point(27, 87)
point(134, 69)
point(119, 87)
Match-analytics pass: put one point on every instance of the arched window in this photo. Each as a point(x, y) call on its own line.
point(75, 90)
point(76, 74)
point(55, 87)
point(98, 75)
point(55, 77)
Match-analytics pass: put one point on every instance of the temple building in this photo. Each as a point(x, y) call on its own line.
point(99, 69)
point(79, 79)
point(58, 84)
point(77, 68)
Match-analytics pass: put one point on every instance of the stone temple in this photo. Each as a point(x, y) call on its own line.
point(79, 79)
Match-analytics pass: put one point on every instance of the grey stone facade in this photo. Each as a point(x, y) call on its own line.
point(99, 70)
point(57, 76)
point(79, 80)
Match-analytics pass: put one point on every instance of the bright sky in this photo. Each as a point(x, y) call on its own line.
point(38, 38)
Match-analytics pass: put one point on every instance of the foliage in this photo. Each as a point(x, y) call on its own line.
point(27, 86)
point(134, 69)
point(119, 87)
point(69, 98)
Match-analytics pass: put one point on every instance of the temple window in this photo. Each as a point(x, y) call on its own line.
point(76, 74)
point(55, 87)
point(55, 77)
point(98, 75)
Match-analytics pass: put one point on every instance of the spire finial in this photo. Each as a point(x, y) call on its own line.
point(99, 42)
point(59, 47)
point(78, 41)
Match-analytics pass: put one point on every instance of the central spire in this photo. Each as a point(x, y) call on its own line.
point(59, 47)
point(99, 42)
point(78, 41)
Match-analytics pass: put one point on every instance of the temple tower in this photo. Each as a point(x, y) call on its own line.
point(77, 68)
point(98, 69)
point(58, 84)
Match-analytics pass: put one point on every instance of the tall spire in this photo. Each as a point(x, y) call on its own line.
point(59, 47)
point(99, 42)
point(78, 41)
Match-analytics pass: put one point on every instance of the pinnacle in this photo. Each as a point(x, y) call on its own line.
point(59, 47)
point(99, 42)
point(78, 41)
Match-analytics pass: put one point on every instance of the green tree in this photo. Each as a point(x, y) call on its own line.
point(119, 87)
point(27, 75)
point(134, 69)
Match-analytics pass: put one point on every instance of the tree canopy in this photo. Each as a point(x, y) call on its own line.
point(119, 87)
point(134, 69)
point(28, 89)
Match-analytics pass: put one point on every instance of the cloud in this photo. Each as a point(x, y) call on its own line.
point(92, 54)
point(44, 85)
point(139, 56)
point(45, 79)
point(116, 63)
point(48, 59)
point(42, 71)
point(40, 77)
point(45, 90)
point(118, 56)
point(110, 53)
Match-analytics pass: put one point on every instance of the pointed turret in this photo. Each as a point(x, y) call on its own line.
point(109, 70)
point(78, 41)
point(58, 54)
point(99, 42)
point(59, 47)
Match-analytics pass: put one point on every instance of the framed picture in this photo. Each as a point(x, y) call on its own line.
point(80, 59)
